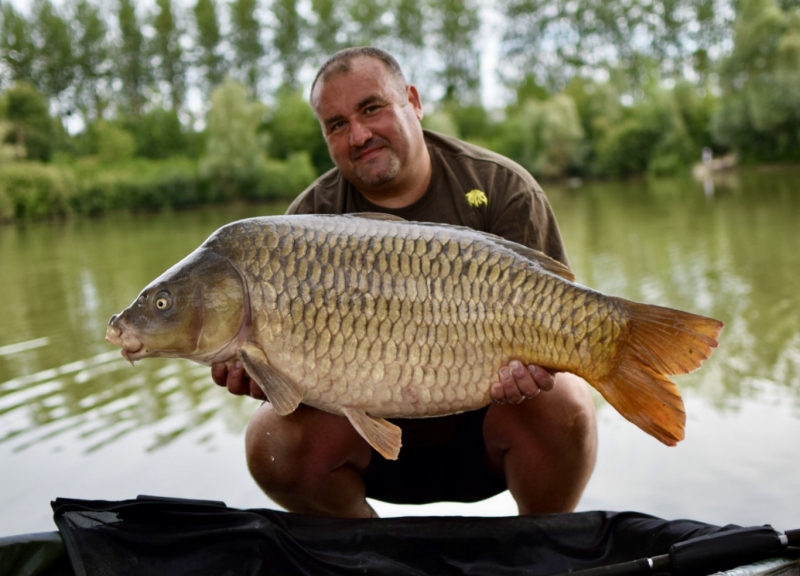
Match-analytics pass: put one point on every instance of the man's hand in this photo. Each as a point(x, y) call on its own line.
point(518, 382)
point(236, 380)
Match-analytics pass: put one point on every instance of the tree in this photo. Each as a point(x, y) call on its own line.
point(32, 128)
point(327, 28)
point(409, 30)
point(557, 40)
point(248, 51)
point(132, 66)
point(17, 47)
point(170, 68)
point(288, 30)
point(208, 39)
point(56, 61)
point(760, 111)
point(234, 154)
point(455, 31)
point(294, 128)
point(367, 21)
point(545, 136)
point(92, 55)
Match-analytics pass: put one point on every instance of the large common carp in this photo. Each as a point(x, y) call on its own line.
point(373, 317)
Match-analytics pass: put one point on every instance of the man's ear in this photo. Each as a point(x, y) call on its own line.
point(415, 100)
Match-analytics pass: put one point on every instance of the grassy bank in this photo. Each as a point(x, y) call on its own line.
point(32, 190)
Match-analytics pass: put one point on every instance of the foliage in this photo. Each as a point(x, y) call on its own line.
point(131, 57)
point(455, 29)
point(170, 68)
point(544, 136)
point(602, 88)
point(759, 114)
point(209, 37)
point(289, 29)
point(234, 154)
point(31, 125)
point(282, 179)
point(35, 190)
point(110, 142)
point(248, 51)
point(159, 134)
point(563, 39)
point(293, 128)
point(650, 136)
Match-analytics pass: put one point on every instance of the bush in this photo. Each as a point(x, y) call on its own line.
point(283, 179)
point(35, 190)
point(545, 137)
point(142, 185)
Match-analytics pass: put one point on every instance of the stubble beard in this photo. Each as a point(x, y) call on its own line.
point(382, 175)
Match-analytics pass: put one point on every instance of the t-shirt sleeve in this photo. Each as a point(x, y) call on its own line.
point(525, 216)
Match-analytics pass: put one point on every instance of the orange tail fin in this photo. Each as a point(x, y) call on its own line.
point(661, 342)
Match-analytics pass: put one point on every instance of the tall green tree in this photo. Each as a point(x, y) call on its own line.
point(328, 28)
point(760, 111)
point(56, 62)
point(92, 61)
point(170, 65)
point(209, 38)
point(455, 34)
point(31, 126)
point(234, 154)
point(288, 31)
point(409, 35)
point(17, 47)
point(560, 39)
point(248, 50)
point(368, 23)
point(132, 68)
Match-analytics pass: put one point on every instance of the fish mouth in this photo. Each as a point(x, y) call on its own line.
point(132, 348)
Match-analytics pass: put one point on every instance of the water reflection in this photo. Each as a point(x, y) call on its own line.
point(64, 391)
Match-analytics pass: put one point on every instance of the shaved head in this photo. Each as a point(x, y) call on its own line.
point(342, 62)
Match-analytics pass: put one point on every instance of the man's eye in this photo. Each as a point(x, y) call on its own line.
point(336, 127)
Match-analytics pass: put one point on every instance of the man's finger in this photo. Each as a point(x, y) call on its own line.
point(219, 374)
point(524, 379)
point(544, 378)
point(510, 388)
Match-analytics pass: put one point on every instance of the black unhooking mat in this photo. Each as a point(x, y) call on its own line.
point(173, 537)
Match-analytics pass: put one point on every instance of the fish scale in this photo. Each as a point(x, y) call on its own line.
point(299, 252)
point(372, 317)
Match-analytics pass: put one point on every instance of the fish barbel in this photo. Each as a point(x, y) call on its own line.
point(373, 317)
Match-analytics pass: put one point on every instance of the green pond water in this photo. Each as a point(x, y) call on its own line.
point(76, 420)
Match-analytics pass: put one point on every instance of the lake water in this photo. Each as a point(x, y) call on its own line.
point(76, 420)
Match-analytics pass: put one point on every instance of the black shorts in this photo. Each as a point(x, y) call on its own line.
point(442, 460)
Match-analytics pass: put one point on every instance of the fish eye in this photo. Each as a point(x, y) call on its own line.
point(163, 301)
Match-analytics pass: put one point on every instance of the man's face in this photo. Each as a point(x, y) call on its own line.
point(371, 124)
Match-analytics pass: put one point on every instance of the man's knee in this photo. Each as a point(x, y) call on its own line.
point(287, 453)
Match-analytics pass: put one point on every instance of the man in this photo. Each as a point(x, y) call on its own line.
point(542, 447)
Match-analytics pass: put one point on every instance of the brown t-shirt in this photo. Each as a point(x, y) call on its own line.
point(515, 206)
point(443, 458)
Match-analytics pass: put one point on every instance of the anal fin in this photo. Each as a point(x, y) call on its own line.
point(282, 392)
point(381, 434)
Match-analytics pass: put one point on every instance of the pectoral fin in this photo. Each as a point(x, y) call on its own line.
point(381, 434)
point(283, 393)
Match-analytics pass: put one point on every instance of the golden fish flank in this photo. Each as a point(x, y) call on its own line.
point(373, 317)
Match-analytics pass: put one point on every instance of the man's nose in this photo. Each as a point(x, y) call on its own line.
point(359, 133)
